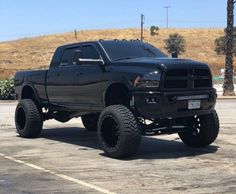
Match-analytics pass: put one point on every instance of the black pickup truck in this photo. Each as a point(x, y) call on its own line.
point(123, 90)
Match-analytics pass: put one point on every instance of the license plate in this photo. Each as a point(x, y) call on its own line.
point(194, 104)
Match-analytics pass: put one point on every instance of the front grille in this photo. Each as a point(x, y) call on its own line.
point(187, 78)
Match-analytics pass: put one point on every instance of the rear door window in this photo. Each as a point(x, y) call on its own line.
point(67, 57)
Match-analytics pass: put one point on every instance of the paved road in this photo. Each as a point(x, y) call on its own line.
point(67, 159)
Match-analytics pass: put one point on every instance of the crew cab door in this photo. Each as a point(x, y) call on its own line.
point(89, 79)
point(60, 81)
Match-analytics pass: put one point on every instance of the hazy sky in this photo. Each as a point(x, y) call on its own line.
point(24, 18)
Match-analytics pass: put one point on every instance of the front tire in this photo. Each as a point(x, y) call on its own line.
point(28, 119)
point(118, 132)
point(205, 130)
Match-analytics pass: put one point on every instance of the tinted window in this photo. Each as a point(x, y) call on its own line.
point(89, 52)
point(118, 50)
point(67, 57)
point(76, 55)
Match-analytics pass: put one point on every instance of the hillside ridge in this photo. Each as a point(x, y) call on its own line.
point(36, 53)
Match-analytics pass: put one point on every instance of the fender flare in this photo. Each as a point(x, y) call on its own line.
point(34, 91)
point(125, 83)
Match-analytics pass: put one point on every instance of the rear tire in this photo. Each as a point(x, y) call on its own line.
point(90, 121)
point(205, 130)
point(28, 119)
point(118, 132)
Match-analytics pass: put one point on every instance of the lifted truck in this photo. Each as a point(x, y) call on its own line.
point(122, 90)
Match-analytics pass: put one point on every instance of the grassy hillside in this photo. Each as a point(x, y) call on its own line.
point(35, 53)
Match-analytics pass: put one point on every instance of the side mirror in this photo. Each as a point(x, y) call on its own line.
point(174, 54)
point(91, 61)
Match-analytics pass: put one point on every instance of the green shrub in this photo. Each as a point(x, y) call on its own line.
point(175, 43)
point(154, 30)
point(7, 90)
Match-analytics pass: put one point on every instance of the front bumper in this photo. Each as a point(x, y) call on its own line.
point(170, 104)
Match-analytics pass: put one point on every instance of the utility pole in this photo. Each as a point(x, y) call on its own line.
point(167, 15)
point(142, 22)
point(75, 34)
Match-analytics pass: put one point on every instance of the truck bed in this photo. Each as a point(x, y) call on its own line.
point(36, 79)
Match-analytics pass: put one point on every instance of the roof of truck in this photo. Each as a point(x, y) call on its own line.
point(59, 51)
point(100, 41)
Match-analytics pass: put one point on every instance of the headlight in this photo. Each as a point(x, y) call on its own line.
point(150, 79)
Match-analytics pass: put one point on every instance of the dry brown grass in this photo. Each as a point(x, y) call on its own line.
point(35, 53)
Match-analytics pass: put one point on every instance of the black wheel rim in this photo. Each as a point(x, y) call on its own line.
point(21, 118)
point(110, 131)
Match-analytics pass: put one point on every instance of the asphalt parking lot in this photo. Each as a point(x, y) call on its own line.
point(67, 159)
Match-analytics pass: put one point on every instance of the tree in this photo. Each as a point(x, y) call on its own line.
point(175, 43)
point(154, 30)
point(220, 44)
point(228, 86)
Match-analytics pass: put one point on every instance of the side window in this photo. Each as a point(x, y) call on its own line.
point(89, 52)
point(76, 55)
point(66, 57)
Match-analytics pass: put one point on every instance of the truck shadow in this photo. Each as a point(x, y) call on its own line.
point(151, 148)
point(72, 135)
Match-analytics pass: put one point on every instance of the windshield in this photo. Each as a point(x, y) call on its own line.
point(118, 50)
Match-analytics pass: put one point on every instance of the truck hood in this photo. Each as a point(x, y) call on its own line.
point(162, 63)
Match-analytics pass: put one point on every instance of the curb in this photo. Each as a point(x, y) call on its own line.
point(226, 98)
point(7, 101)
